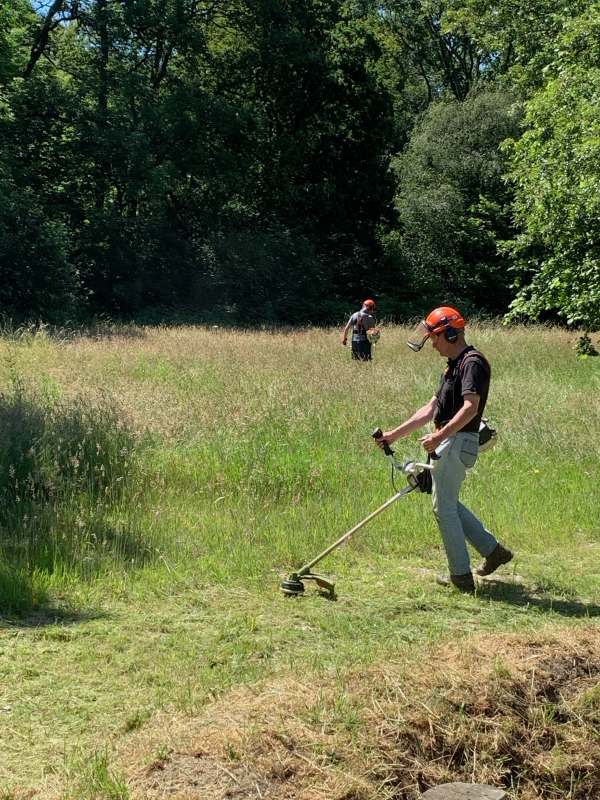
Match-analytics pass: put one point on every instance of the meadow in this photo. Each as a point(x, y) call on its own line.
point(158, 483)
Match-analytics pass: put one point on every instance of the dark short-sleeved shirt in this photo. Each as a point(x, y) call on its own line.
point(468, 373)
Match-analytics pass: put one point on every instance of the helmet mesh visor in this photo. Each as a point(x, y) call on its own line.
point(418, 337)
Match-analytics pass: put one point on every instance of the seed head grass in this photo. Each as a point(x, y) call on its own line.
point(160, 482)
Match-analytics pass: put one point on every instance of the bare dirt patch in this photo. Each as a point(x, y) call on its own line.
point(522, 713)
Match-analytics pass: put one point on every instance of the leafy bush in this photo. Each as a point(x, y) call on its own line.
point(585, 347)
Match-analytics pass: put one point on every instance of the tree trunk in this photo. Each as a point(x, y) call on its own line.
point(43, 34)
point(103, 90)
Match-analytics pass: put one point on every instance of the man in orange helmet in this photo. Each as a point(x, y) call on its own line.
point(361, 322)
point(455, 410)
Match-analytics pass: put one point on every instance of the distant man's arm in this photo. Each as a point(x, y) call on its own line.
point(345, 332)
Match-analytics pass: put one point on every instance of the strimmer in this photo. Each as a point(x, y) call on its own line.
point(418, 476)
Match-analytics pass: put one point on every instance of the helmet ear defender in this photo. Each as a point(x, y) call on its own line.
point(451, 335)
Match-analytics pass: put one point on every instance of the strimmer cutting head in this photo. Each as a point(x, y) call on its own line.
point(293, 586)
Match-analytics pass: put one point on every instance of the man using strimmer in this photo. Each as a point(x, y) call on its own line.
point(455, 410)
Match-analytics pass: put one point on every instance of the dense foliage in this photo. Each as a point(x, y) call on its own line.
point(275, 160)
point(557, 177)
point(453, 206)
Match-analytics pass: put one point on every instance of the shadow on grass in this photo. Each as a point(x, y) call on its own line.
point(25, 601)
point(48, 615)
point(26, 567)
point(519, 595)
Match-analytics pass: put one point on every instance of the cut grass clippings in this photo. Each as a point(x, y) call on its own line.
point(518, 712)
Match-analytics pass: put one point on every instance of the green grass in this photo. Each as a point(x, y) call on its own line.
point(244, 454)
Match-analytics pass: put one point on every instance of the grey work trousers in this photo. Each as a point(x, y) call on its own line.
point(456, 523)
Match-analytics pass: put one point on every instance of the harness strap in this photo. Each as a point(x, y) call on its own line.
point(358, 328)
point(471, 356)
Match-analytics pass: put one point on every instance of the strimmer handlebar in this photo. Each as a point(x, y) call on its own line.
point(378, 434)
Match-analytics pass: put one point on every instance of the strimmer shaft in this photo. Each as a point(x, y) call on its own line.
point(307, 567)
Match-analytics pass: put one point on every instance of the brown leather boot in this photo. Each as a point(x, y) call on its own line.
point(499, 555)
point(464, 583)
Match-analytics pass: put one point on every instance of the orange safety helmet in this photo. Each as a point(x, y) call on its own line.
point(443, 319)
point(370, 304)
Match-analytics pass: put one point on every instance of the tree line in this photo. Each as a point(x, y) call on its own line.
point(276, 160)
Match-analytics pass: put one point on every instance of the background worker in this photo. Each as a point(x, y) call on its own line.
point(455, 410)
point(360, 322)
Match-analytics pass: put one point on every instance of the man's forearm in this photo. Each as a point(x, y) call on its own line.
point(459, 420)
point(418, 419)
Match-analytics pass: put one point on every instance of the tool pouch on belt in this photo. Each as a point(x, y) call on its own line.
point(487, 436)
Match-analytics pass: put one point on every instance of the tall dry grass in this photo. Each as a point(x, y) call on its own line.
point(252, 449)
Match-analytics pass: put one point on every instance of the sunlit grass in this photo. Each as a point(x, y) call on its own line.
point(257, 444)
point(249, 453)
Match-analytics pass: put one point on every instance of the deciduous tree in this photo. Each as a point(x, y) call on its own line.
point(556, 174)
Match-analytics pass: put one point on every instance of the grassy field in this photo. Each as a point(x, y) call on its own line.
point(157, 484)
